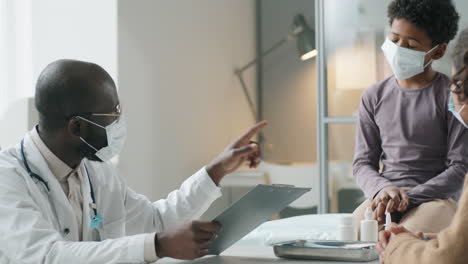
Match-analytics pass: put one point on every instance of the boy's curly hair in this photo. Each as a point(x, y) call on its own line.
point(438, 18)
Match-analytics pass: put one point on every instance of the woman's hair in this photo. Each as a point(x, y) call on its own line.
point(459, 50)
point(460, 79)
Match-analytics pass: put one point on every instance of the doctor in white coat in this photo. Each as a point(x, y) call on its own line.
point(61, 200)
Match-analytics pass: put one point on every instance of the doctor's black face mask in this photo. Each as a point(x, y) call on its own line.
point(86, 151)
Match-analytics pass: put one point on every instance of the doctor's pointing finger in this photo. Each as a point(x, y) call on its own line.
point(241, 150)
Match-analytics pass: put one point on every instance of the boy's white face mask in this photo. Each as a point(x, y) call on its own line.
point(116, 134)
point(405, 63)
point(457, 114)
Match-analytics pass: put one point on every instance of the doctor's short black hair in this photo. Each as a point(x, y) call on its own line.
point(438, 18)
point(64, 88)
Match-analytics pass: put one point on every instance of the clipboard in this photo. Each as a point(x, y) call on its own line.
point(257, 206)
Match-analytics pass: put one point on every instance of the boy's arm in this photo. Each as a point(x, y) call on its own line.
point(447, 183)
point(368, 151)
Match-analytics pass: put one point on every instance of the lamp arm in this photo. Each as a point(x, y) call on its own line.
point(253, 109)
point(247, 96)
point(276, 45)
point(239, 71)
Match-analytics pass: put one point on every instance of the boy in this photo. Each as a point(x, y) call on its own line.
point(399, 245)
point(404, 123)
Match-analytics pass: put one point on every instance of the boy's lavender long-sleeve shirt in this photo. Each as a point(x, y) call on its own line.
point(419, 142)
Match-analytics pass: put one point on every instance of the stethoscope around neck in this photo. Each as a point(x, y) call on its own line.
point(96, 220)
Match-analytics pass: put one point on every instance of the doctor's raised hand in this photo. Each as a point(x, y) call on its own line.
point(241, 150)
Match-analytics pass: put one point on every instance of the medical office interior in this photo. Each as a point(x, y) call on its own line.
point(193, 75)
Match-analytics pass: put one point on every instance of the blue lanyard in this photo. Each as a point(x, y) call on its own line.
point(96, 220)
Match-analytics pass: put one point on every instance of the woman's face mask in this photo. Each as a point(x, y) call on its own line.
point(116, 134)
point(457, 113)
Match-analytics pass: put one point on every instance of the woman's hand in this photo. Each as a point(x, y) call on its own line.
point(386, 236)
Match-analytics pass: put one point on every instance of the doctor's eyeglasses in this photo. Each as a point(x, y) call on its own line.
point(115, 115)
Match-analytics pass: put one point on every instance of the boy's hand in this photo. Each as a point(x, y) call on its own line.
point(389, 199)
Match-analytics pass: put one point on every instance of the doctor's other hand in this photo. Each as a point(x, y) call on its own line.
point(187, 242)
point(241, 150)
point(390, 199)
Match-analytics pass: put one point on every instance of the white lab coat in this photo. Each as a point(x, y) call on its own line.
point(34, 222)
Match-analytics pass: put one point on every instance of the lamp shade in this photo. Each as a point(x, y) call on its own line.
point(305, 38)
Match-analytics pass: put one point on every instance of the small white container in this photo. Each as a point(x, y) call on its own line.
point(347, 230)
point(388, 221)
point(369, 227)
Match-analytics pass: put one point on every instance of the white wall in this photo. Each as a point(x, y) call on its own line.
point(15, 68)
point(41, 32)
point(75, 29)
point(181, 98)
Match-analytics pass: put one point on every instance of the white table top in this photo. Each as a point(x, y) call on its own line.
point(249, 255)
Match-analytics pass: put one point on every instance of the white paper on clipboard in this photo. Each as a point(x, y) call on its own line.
point(257, 206)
